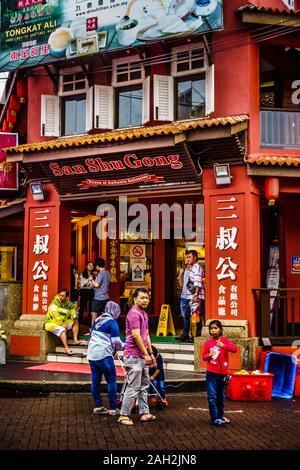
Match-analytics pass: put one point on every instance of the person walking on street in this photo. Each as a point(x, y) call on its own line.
point(61, 317)
point(101, 289)
point(215, 352)
point(192, 292)
point(105, 340)
point(138, 356)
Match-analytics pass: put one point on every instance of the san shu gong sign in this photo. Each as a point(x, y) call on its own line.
point(129, 170)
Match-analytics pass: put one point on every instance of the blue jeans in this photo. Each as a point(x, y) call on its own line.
point(216, 391)
point(160, 387)
point(186, 313)
point(107, 367)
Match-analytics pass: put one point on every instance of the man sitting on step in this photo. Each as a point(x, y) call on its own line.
point(62, 317)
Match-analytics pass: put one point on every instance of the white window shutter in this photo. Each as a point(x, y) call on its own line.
point(50, 120)
point(210, 90)
point(104, 107)
point(163, 98)
point(146, 100)
point(89, 109)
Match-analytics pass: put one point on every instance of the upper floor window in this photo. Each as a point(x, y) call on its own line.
point(189, 92)
point(65, 113)
point(128, 77)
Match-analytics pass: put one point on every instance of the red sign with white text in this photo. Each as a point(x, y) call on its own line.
point(8, 171)
point(228, 244)
point(41, 251)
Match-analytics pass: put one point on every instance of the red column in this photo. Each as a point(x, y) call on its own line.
point(232, 246)
point(47, 250)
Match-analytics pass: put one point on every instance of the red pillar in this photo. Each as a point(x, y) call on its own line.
point(232, 246)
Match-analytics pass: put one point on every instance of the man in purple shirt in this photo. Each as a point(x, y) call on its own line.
point(138, 355)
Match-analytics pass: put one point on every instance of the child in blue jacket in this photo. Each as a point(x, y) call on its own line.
point(157, 377)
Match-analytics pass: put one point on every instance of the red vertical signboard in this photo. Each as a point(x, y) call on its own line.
point(227, 256)
point(42, 242)
point(8, 171)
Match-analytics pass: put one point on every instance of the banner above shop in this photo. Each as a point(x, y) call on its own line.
point(138, 170)
point(37, 32)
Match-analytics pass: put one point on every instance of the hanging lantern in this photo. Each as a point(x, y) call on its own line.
point(11, 116)
point(6, 126)
point(14, 103)
point(22, 90)
point(272, 190)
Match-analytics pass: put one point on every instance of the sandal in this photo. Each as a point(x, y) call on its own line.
point(68, 352)
point(147, 417)
point(100, 411)
point(125, 420)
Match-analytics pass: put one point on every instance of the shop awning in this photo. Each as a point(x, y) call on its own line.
point(11, 206)
point(276, 165)
point(138, 133)
point(275, 13)
point(159, 159)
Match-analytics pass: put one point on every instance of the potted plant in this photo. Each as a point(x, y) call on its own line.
point(2, 347)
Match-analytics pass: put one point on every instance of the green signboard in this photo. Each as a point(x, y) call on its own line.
point(37, 32)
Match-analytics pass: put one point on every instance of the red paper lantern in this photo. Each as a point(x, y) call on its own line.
point(22, 90)
point(5, 126)
point(14, 103)
point(272, 188)
point(11, 116)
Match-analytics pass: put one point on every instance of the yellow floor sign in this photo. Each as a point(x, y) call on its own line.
point(165, 323)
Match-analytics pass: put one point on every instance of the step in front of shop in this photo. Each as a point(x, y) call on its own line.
point(176, 356)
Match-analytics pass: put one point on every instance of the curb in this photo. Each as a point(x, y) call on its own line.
point(21, 387)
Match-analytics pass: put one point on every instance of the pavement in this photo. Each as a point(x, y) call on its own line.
point(64, 421)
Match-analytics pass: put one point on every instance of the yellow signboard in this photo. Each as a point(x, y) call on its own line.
point(165, 323)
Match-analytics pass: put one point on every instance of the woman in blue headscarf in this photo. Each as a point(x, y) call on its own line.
point(105, 340)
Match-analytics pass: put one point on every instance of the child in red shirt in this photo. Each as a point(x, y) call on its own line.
point(215, 352)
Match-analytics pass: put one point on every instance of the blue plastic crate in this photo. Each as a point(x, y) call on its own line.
point(283, 366)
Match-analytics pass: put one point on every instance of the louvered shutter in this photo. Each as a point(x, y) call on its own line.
point(90, 109)
point(50, 120)
point(103, 107)
point(210, 90)
point(163, 98)
point(146, 100)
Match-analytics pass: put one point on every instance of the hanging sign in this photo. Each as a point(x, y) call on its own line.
point(8, 171)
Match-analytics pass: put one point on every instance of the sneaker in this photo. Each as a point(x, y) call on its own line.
point(152, 400)
point(188, 340)
point(100, 411)
point(218, 422)
point(115, 412)
point(225, 420)
point(181, 338)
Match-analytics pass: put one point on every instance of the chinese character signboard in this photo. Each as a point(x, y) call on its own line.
point(40, 259)
point(43, 31)
point(8, 171)
point(228, 285)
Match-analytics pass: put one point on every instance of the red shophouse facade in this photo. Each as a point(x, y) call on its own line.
point(237, 234)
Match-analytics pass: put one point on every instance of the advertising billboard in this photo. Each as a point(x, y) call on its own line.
point(37, 32)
